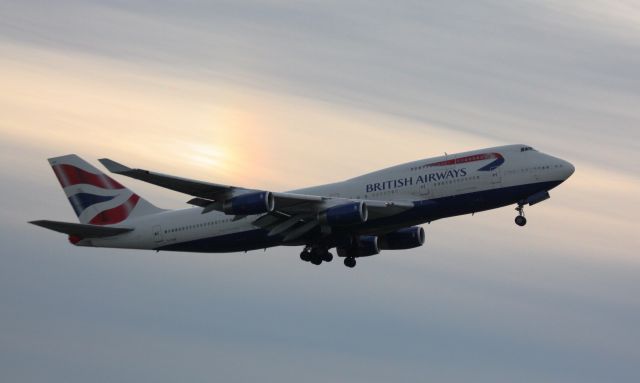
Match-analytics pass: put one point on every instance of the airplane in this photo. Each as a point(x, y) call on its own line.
point(359, 217)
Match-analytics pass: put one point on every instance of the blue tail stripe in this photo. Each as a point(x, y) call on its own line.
point(492, 165)
point(81, 201)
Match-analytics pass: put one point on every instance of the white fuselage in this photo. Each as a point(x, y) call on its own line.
point(457, 182)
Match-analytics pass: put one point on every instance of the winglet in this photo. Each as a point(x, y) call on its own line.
point(114, 167)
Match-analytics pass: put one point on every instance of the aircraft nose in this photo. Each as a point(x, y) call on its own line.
point(568, 169)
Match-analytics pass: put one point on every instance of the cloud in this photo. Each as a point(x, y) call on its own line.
point(487, 68)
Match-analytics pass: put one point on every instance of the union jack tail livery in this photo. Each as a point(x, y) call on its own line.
point(96, 198)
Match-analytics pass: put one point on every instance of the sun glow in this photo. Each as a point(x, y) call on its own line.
point(205, 155)
point(58, 103)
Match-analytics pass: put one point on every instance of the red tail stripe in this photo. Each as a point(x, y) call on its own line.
point(70, 175)
point(117, 214)
point(462, 160)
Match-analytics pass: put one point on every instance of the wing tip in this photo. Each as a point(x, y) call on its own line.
point(113, 166)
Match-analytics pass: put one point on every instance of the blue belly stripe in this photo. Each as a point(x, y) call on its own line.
point(422, 212)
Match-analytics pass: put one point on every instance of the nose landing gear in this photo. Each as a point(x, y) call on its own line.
point(520, 219)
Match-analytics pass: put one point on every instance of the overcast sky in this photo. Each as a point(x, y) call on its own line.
point(281, 95)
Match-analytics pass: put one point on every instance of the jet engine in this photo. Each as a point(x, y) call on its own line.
point(406, 238)
point(250, 203)
point(345, 215)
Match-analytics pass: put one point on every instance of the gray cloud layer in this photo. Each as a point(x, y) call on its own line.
point(527, 71)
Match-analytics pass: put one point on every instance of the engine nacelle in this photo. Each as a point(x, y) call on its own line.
point(345, 215)
point(402, 239)
point(364, 246)
point(250, 203)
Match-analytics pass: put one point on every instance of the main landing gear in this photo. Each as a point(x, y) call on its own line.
point(520, 219)
point(316, 255)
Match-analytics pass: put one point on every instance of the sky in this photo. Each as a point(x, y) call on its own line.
point(282, 95)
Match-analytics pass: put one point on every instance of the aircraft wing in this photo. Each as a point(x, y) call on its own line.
point(200, 189)
point(290, 210)
point(81, 230)
point(207, 192)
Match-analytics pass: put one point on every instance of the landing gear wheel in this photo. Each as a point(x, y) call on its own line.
point(350, 262)
point(327, 257)
point(316, 260)
point(305, 256)
point(521, 220)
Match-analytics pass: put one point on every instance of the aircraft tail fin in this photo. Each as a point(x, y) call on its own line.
point(96, 198)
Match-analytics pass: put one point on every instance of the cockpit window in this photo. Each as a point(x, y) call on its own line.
point(526, 148)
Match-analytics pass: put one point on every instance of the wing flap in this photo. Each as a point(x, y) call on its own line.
point(81, 230)
point(285, 225)
point(300, 231)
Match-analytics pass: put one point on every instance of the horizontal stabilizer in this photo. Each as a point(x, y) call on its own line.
point(81, 230)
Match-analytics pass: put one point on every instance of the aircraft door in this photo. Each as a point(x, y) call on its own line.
point(425, 192)
point(157, 233)
point(496, 177)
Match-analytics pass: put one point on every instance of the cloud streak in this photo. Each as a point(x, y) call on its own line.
point(484, 68)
